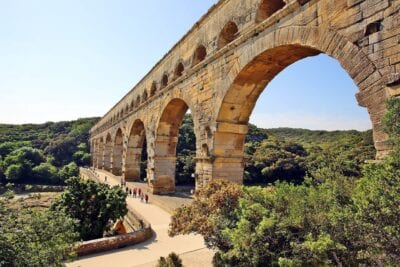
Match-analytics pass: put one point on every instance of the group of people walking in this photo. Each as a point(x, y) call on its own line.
point(137, 193)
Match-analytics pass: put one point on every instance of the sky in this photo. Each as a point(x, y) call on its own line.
point(63, 60)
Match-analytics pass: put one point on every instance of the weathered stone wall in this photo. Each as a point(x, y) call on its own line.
point(247, 43)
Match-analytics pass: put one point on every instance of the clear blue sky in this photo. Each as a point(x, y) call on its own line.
point(62, 60)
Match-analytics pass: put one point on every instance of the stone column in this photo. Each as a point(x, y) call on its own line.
point(107, 156)
point(117, 160)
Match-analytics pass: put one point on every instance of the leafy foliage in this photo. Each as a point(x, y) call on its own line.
point(34, 237)
point(172, 260)
point(329, 219)
point(93, 205)
point(35, 153)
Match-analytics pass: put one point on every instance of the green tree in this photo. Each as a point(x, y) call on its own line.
point(45, 172)
point(68, 171)
point(391, 121)
point(15, 172)
point(212, 211)
point(172, 260)
point(93, 205)
point(34, 237)
point(275, 160)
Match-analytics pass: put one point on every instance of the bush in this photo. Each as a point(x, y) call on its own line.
point(45, 172)
point(68, 171)
point(34, 238)
point(15, 172)
point(172, 260)
point(93, 205)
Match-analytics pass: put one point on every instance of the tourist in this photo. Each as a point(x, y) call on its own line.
point(105, 179)
point(130, 192)
point(134, 192)
point(146, 198)
point(140, 192)
point(141, 197)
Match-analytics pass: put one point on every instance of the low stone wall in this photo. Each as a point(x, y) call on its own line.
point(115, 242)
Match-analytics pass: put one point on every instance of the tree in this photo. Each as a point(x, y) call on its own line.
point(93, 205)
point(332, 220)
point(275, 160)
point(210, 212)
point(45, 172)
point(172, 260)
point(34, 237)
point(391, 121)
point(68, 171)
point(15, 172)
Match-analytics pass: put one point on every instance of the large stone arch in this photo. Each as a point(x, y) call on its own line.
point(107, 153)
point(162, 170)
point(134, 148)
point(117, 153)
point(259, 62)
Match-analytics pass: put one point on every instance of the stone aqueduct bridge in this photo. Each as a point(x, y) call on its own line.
point(221, 66)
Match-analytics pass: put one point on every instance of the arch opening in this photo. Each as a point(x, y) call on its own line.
point(164, 81)
point(117, 153)
point(153, 89)
point(179, 70)
point(107, 153)
point(170, 167)
point(239, 102)
point(144, 97)
point(199, 55)
point(228, 34)
point(136, 154)
point(137, 101)
point(267, 8)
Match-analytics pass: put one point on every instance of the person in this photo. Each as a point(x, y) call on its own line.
point(134, 192)
point(130, 192)
point(146, 198)
point(141, 197)
point(140, 191)
point(126, 190)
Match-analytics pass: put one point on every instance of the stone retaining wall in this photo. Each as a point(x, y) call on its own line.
point(115, 242)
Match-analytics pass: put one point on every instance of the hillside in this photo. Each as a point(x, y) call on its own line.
point(270, 154)
point(44, 153)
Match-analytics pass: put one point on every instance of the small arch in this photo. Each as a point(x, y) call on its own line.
point(132, 105)
point(127, 108)
point(373, 27)
point(179, 69)
point(138, 101)
point(144, 96)
point(164, 81)
point(228, 34)
point(199, 55)
point(153, 89)
point(204, 150)
point(267, 8)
